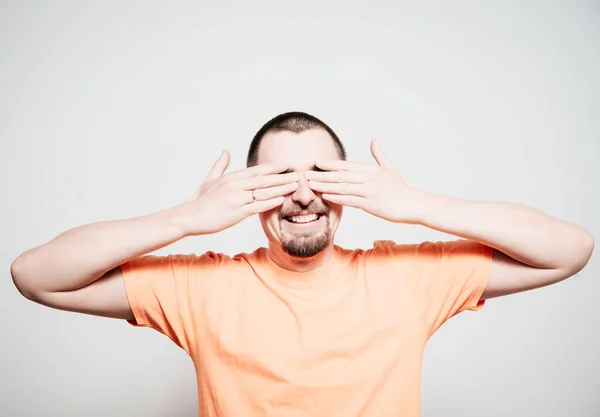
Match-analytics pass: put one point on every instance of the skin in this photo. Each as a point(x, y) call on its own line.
point(531, 248)
point(79, 269)
point(299, 152)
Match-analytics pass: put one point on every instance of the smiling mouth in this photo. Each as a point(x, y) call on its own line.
point(303, 218)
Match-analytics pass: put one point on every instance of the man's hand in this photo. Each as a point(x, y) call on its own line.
point(533, 249)
point(378, 189)
point(223, 200)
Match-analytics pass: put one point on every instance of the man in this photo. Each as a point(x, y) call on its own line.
point(303, 327)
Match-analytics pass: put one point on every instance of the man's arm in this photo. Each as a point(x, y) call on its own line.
point(533, 249)
point(79, 270)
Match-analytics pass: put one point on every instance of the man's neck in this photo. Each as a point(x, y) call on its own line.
point(297, 264)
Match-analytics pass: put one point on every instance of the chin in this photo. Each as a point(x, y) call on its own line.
point(305, 244)
point(303, 241)
point(304, 248)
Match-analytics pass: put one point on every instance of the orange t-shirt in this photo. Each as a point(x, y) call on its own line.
point(345, 340)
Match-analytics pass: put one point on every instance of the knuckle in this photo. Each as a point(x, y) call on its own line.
point(258, 195)
point(266, 168)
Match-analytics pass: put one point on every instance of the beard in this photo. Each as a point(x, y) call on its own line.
point(310, 243)
point(307, 244)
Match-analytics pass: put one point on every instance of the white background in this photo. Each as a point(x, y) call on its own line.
point(116, 109)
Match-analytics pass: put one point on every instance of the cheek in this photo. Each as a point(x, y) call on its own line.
point(335, 215)
point(336, 210)
point(270, 219)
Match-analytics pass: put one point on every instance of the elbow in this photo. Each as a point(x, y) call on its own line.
point(583, 254)
point(20, 278)
point(589, 246)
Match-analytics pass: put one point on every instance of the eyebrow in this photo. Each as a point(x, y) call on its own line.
point(313, 168)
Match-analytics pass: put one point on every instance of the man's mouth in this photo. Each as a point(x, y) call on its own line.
point(303, 218)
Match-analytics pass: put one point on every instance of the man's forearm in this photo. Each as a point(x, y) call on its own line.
point(523, 233)
point(81, 255)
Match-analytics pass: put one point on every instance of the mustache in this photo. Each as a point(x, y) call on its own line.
point(321, 208)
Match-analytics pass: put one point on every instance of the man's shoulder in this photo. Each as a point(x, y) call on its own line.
point(234, 257)
point(383, 245)
point(205, 257)
point(428, 249)
point(393, 248)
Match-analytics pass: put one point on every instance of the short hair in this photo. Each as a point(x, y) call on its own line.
point(296, 122)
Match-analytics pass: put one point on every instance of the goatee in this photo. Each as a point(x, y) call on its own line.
point(306, 245)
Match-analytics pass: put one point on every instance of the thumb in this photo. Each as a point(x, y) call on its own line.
point(215, 172)
point(379, 155)
point(218, 169)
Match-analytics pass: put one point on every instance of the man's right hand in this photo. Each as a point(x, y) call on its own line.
point(79, 270)
point(223, 200)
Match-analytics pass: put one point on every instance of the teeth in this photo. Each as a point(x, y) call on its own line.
point(304, 219)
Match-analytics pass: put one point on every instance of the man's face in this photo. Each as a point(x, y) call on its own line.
point(304, 224)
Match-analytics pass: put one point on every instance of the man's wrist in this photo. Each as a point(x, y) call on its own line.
point(181, 220)
point(433, 208)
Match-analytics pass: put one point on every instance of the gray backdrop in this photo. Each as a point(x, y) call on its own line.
point(116, 109)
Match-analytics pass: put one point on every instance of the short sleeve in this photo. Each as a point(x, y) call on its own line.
point(444, 278)
point(163, 292)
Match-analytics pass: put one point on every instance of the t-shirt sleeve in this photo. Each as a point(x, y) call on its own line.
point(164, 292)
point(444, 278)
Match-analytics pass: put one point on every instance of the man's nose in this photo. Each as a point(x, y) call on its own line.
point(304, 194)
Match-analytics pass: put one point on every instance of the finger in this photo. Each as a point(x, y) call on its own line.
point(262, 206)
point(346, 200)
point(265, 181)
point(263, 169)
point(262, 194)
point(219, 167)
point(336, 176)
point(340, 188)
point(379, 154)
point(339, 165)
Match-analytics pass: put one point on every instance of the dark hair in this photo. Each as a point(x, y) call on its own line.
point(296, 122)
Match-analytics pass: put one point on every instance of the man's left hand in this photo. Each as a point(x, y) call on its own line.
point(378, 189)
